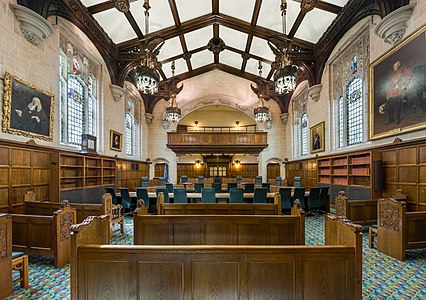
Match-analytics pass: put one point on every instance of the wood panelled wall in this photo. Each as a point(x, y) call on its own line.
point(192, 171)
point(306, 169)
point(273, 171)
point(21, 170)
point(130, 173)
point(404, 167)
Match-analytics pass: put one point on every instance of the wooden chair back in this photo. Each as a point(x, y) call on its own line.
point(5, 256)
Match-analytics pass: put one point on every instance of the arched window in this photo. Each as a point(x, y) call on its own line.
point(77, 96)
point(130, 134)
point(349, 72)
point(304, 134)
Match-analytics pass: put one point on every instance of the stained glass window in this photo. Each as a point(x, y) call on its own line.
point(129, 134)
point(304, 134)
point(78, 102)
point(349, 76)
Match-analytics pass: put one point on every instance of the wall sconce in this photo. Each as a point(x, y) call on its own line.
point(237, 123)
point(198, 163)
point(196, 124)
point(237, 163)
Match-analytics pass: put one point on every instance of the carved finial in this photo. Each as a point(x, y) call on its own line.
point(64, 203)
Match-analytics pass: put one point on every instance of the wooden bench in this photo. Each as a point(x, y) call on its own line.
point(220, 229)
point(220, 272)
point(218, 208)
point(45, 235)
point(83, 210)
point(397, 229)
point(362, 212)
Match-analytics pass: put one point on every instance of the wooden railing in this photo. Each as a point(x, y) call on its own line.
point(224, 142)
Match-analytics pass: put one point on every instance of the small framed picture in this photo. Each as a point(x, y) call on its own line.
point(318, 138)
point(115, 140)
point(88, 143)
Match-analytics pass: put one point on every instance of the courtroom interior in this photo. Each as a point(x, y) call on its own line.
point(178, 149)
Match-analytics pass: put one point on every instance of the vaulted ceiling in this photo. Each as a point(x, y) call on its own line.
point(245, 26)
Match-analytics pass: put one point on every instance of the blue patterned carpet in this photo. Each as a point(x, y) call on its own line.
point(383, 277)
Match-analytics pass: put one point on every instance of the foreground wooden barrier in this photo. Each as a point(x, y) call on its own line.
point(45, 235)
point(83, 211)
point(218, 272)
point(218, 208)
point(219, 229)
point(5, 256)
point(362, 212)
point(398, 229)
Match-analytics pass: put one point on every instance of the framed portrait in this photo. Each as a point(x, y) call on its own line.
point(115, 140)
point(397, 90)
point(27, 110)
point(318, 138)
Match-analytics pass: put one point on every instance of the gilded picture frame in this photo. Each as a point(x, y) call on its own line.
point(27, 109)
point(115, 140)
point(397, 89)
point(317, 138)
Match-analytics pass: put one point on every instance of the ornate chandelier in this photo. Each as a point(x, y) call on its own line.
point(261, 112)
point(147, 77)
point(285, 78)
point(173, 113)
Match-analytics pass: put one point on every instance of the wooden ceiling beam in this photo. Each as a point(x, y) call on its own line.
point(134, 25)
point(296, 24)
point(215, 7)
point(175, 13)
point(103, 6)
point(332, 8)
point(256, 12)
point(208, 20)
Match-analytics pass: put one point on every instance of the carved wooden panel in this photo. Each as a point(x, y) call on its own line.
point(389, 216)
point(3, 240)
point(340, 204)
point(66, 220)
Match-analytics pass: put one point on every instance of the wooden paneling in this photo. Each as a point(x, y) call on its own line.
point(273, 170)
point(5, 256)
point(221, 230)
point(405, 168)
point(306, 169)
point(130, 173)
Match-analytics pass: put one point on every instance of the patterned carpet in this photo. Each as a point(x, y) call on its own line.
point(383, 277)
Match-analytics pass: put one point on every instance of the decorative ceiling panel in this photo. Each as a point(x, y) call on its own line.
point(338, 2)
point(190, 9)
point(236, 9)
point(231, 58)
point(198, 38)
point(314, 25)
point(270, 15)
point(180, 67)
point(88, 3)
point(115, 25)
point(160, 15)
point(253, 68)
point(259, 47)
point(171, 48)
point(233, 38)
point(202, 58)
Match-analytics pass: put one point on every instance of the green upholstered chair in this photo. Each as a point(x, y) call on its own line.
point(299, 193)
point(260, 195)
point(285, 194)
point(249, 187)
point(208, 195)
point(236, 195)
point(166, 194)
point(198, 186)
point(180, 195)
point(231, 185)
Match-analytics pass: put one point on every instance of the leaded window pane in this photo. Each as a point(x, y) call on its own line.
point(129, 134)
point(304, 133)
point(354, 111)
point(76, 111)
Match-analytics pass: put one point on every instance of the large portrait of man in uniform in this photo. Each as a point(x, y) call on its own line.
point(397, 98)
point(27, 110)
